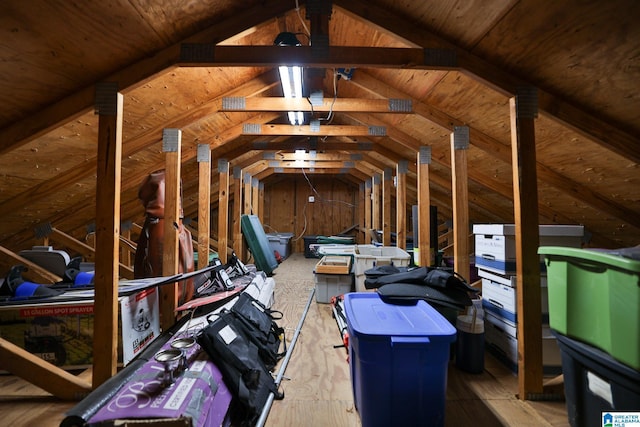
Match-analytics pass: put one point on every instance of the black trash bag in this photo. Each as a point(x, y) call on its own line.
point(447, 279)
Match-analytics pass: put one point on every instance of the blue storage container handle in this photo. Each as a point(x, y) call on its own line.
point(409, 341)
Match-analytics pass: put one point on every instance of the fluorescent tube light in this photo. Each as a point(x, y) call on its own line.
point(291, 79)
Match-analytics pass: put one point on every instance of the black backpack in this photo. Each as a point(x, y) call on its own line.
point(243, 370)
point(260, 326)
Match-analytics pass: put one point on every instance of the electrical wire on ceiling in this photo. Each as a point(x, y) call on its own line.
point(320, 199)
point(302, 21)
point(329, 117)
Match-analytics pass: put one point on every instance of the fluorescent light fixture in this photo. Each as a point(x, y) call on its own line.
point(291, 79)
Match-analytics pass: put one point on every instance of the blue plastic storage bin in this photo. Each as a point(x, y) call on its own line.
point(398, 356)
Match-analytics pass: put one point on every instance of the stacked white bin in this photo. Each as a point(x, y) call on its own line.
point(366, 257)
point(369, 256)
point(495, 259)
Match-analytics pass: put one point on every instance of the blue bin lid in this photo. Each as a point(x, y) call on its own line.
point(368, 315)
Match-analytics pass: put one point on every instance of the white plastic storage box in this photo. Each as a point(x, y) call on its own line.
point(280, 242)
point(369, 256)
point(398, 358)
point(499, 295)
point(501, 340)
point(335, 249)
point(495, 244)
point(331, 285)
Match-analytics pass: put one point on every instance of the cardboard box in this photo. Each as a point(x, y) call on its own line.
point(62, 332)
point(197, 397)
point(501, 340)
point(495, 244)
point(499, 295)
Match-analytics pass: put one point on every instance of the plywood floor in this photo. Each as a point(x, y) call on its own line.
point(316, 381)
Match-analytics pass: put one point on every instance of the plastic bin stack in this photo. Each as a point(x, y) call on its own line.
point(366, 257)
point(594, 311)
point(332, 276)
point(495, 258)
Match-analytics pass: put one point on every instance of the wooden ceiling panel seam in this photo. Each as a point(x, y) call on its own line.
point(133, 75)
point(502, 152)
point(133, 145)
point(583, 122)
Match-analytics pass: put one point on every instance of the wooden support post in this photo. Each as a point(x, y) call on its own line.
point(238, 244)
point(401, 204)
point(459, 185)
point(375, 204)
point(261, 199)
point(204, 204)
point(255, 198)
point(362, 199)
point(171, 146)
point(223, 209)
point(427, 258)
point(368, 224)
point(524, 110)
point(109, 105)
point(247, 194)
point(387, 185)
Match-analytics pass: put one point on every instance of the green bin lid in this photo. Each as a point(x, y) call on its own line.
point(592, 255)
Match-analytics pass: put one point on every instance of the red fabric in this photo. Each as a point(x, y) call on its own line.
point(148, 259)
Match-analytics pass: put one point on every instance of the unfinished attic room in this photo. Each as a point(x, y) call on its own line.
point(350, 213)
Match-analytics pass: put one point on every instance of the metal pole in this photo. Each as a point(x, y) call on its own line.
point(285, 362)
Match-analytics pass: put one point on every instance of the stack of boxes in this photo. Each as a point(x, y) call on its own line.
point(495, 259)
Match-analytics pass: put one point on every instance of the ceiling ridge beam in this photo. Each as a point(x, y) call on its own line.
point(310, 130)
point(336, 105)
point(609, 136)
point(211, 55)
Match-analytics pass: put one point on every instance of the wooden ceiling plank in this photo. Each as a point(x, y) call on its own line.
point(502, 152)
point(134, 145)
point(134, 75)
point(578, 119)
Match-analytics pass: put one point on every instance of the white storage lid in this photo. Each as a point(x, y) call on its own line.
point(545, 230)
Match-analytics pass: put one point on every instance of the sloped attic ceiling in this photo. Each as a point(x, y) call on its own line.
point(583, 57)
